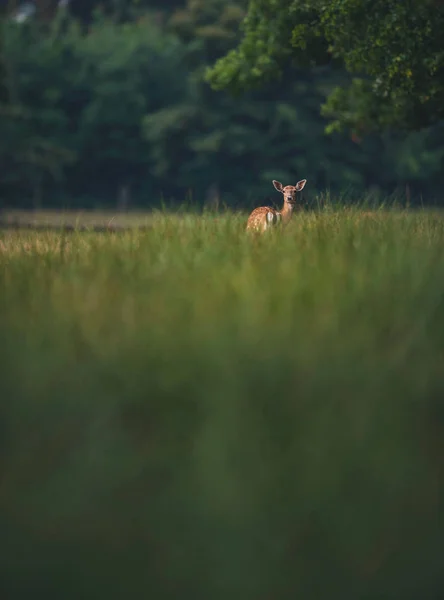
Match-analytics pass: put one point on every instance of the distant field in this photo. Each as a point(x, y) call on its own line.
point(109, 219)
point(77, 218)
point(191, 412)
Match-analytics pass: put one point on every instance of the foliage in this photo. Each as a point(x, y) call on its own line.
point(90, 93)
point(113, 110)
point(393, 47)
point(202, 415)
point(28, 111)
point(218, 145)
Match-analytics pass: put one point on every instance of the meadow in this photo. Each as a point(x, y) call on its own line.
point(191, 412)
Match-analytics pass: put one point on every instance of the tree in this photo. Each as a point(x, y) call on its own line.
point(105, 111)
point(238, 145)
point(393, 49)
point(72, 106)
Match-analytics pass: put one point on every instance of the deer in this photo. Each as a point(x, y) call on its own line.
point(264, 217)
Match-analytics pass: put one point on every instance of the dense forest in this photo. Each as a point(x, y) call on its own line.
point(108, 104)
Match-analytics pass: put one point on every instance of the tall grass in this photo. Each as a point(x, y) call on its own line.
point(193, 412)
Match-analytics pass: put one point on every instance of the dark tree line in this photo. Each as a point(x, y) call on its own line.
point(108, 103)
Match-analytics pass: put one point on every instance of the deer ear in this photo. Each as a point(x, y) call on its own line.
point(300, 185)
point(277, 185)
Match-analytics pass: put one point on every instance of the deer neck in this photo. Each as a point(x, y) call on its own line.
point(287, 212)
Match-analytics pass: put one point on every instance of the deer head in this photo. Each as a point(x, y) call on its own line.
point(289, 191)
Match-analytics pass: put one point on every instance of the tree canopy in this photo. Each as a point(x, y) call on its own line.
point(393, 50)
point(105, 103)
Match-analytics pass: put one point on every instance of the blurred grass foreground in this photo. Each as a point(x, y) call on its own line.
point(191, 412)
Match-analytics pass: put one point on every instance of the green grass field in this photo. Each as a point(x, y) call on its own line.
point(192, 412)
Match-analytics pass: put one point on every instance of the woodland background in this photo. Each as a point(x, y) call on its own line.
point(105, 105)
